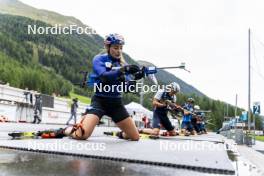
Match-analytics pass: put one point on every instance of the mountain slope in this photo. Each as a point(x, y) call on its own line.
point(66, 54)
point(16, 7)
point(32, 77)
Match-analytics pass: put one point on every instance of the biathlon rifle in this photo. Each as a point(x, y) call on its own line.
point(173, 107)
point(146, 71)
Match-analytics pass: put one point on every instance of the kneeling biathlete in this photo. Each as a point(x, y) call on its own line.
point(162, 100)
point(104, 102)
point(187, 126)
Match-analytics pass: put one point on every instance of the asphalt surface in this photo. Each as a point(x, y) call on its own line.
point(19, 163)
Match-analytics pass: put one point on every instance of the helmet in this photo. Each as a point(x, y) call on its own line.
point(114, 39)
point(175, 87)
point(197, 107)
point(191, 100)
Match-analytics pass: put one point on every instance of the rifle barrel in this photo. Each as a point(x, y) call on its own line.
point(170, 67)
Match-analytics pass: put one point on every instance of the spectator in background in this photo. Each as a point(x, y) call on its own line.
point(74, 107)
point(146, 121)
point(37, 109)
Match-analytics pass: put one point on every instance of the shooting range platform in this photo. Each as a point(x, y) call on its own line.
point(202, 154)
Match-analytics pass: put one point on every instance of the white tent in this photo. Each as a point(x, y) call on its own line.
point(139, 109)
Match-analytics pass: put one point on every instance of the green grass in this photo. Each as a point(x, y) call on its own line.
point(81, 98)
point(260, 138)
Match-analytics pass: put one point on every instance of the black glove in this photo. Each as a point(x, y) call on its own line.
point(140, 74)
point(130, 69)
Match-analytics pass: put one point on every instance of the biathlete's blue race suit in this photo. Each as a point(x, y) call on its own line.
point(107, 102)
point(186, 121)
point(201, 122)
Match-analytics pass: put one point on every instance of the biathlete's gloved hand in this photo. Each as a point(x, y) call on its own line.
point(129, 69)
point(140, 74)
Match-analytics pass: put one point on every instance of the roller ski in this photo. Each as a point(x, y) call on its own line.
point(45, 134)
point(23, 135)
point(119, 134)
